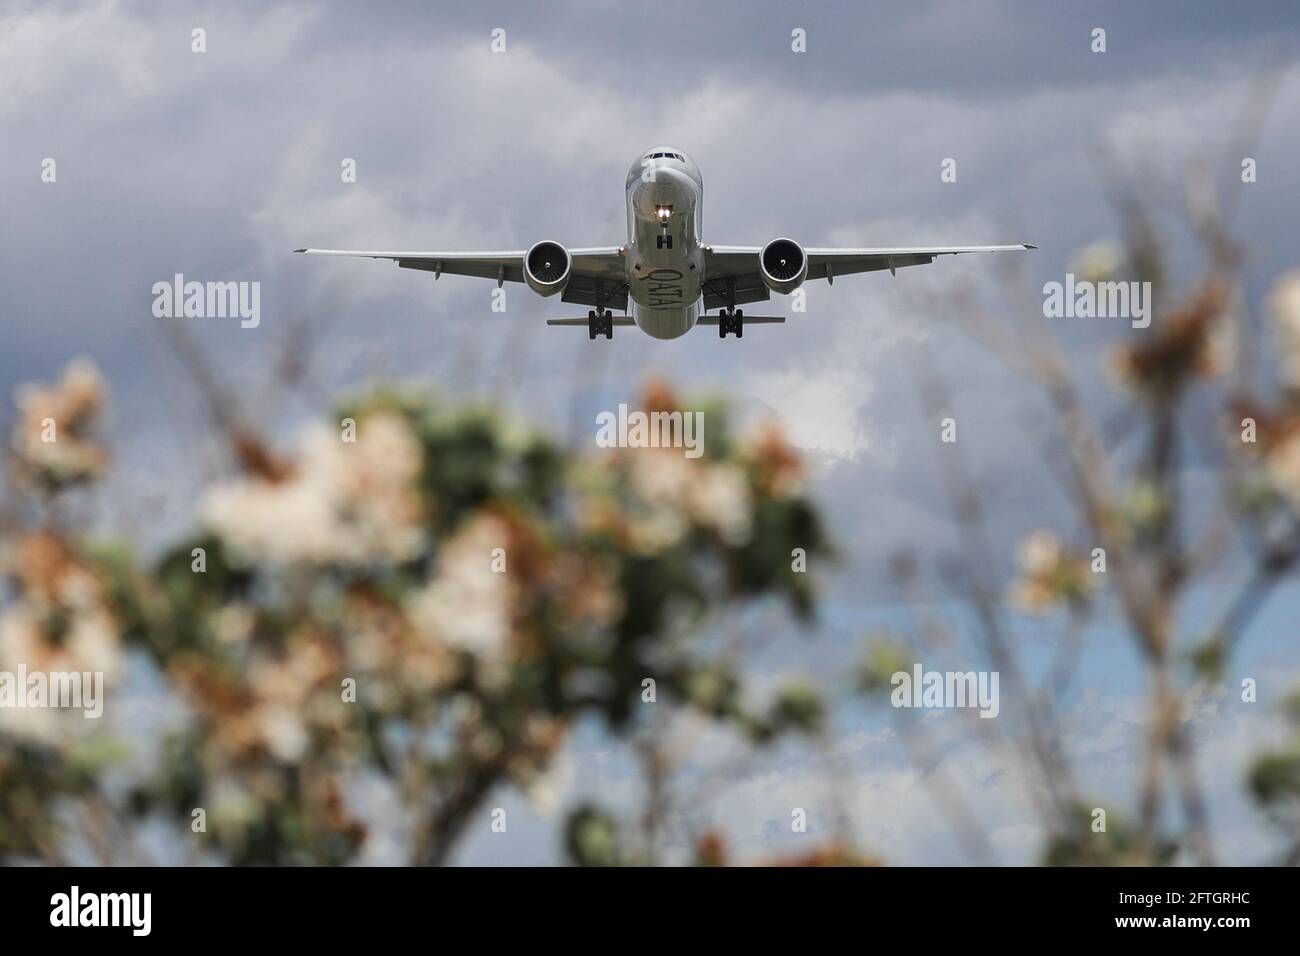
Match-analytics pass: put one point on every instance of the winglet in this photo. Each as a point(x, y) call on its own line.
point(1029, 245)
point(300, 250)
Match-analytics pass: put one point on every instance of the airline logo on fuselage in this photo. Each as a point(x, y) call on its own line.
point(664, 288)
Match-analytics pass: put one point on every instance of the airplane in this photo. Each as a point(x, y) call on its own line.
point(665, 275)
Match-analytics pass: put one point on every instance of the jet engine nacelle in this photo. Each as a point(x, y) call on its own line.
point(783, 265)
point(547, 267)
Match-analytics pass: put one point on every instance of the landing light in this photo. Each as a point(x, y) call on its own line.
point(664, 213)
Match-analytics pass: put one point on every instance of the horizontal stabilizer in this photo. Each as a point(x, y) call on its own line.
point(618, 320)
point(747, 318)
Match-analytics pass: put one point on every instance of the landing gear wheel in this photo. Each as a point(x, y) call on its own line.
point(602, 324)
point(731, 321)
point(664, 241)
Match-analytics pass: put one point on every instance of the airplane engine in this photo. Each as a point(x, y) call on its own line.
point(783, 265)
point(547, 267)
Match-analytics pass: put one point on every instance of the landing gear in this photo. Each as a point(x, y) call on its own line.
point(731, 321)
point(601, 323)
point(664, 241)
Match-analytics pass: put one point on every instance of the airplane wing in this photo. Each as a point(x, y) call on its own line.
point(725, 264)
point(603, 266)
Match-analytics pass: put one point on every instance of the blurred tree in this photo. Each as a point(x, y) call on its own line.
point(1126, 483)
point(433, 603)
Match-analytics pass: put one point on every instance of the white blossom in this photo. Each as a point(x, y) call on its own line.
point(346, 502)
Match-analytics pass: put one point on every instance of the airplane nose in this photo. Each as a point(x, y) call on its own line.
point(665, 189)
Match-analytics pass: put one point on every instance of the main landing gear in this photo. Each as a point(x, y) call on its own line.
point(731, 321)
point(601, 323)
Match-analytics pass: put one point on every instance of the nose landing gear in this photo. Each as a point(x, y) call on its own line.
point(664, 213)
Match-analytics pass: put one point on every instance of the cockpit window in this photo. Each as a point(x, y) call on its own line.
point(666, 156)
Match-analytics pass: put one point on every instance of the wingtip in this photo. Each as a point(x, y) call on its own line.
point(1029, 245)
point(300, 250)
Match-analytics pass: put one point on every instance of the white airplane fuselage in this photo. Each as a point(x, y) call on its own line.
point(665, 261)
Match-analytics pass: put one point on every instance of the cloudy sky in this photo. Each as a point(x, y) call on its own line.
point(216, 165)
